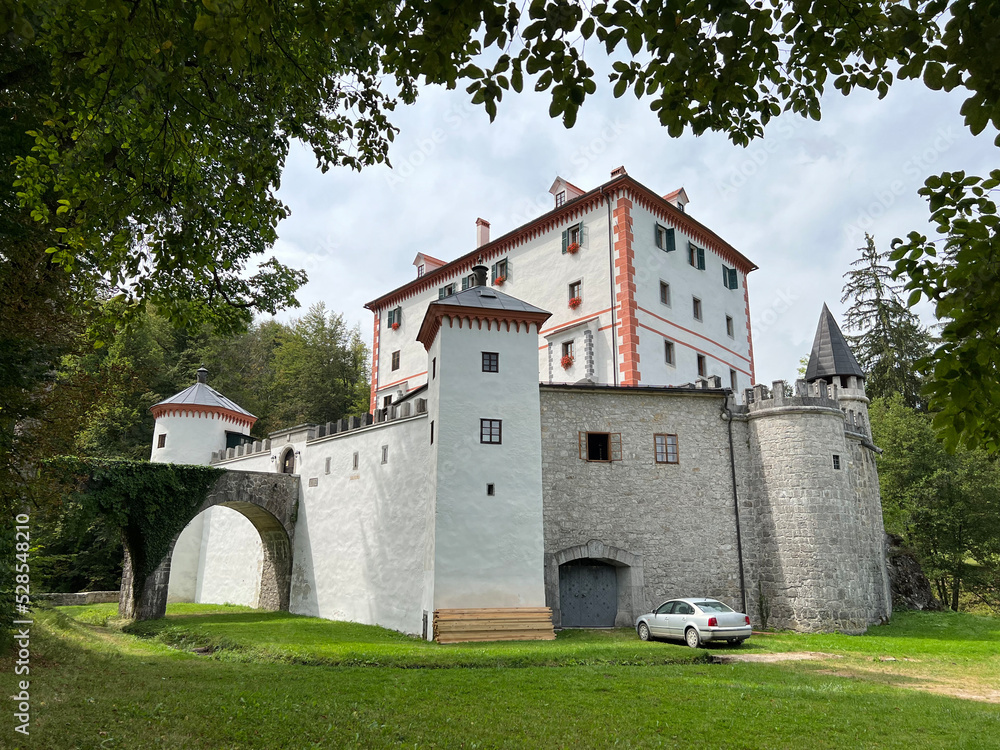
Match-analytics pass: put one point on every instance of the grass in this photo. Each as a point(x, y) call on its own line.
point(281, 681)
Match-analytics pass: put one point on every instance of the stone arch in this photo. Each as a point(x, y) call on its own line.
point(629, 570)
point(286, 464)
point(270, 502)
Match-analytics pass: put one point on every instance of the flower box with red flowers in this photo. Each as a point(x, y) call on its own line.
point(566, 361)
point(500, 280)
point(573, 248)
point(575, 302)
point(395, 326)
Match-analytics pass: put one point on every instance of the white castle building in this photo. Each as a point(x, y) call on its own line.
point(562, 418)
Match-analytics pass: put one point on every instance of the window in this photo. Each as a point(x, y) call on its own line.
point(420, 270)
point(701, 365)
point(489, 431)
point(668, 352)
point(161, 440)
point(732, 380)
point(836, 461)
point(395, 317)
point(434, 368)
point(432, 433)
point(729, 278)
point(355, 461)
point(327, 468)
point(729, 326)
point(696, 308)
point(665, 238)
point(386, 400)
point(385, 454)
point(572, 236)
point(666, 449)
point(567, 349)
point(446, 291)
point(600, 446)
point(665, 293)
point(491, 490)
point(491, 362)
point(395, 360)
point(468, 281)
point(560, 198)
point(500, 272)
point(576, 290)
point(696, 256)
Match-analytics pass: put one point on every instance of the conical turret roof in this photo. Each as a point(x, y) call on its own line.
point(202, 397)
point(831, 356)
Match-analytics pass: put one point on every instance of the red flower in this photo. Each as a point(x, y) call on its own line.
point(575, 302)
point(572, 248)
point(395, 326)
point(499, 280)
point(566, 361)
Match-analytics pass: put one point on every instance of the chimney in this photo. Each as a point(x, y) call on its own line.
point(203, 375)
point(482, 232)
point(480, 272)
point(618, 172)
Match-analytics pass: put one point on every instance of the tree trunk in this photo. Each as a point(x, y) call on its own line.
point(956, 585)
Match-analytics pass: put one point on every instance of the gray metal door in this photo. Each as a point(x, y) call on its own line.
point(588, 594)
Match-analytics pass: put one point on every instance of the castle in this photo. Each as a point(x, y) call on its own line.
point(561, 418)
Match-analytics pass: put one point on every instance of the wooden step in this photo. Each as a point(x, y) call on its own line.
point(493, 624)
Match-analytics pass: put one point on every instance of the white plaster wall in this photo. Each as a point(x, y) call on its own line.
point(191, 438)
point(361, 535)
point(676, 322)
point(540, 275)
point(184, 562)
point(488, 550)
point(231, 561)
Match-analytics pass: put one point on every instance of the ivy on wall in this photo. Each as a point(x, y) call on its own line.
point(149, 503)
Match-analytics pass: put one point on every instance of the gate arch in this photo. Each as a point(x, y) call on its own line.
point(270, 502)
point(628, 574)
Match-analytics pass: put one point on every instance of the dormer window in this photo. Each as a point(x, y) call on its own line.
point(560, 198)
point(420, 270)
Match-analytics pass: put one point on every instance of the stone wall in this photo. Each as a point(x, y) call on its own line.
point(678, 520)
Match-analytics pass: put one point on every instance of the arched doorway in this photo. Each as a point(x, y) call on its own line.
point(288, 462)
point(588, 594)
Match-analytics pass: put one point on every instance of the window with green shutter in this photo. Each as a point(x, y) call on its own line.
point(446, 291)
point(572, 236)
point(696, 256)
point(730, 279)
point(500, 271)
point(665, 238)
point(395, 316)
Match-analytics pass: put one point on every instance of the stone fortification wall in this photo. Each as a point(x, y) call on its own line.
point(668, 528)
point(815, 527)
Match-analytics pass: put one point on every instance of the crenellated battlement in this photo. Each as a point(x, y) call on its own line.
point(341, 426)
point(817, 394)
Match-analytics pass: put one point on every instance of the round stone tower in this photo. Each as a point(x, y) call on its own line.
point(195, 422)
point(819, 558)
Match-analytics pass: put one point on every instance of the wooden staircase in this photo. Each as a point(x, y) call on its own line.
point(493, 624)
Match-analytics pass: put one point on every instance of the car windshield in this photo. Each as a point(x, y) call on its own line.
point(711, 606)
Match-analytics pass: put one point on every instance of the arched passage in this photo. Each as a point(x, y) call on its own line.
point(270, 502)
point(605, 581)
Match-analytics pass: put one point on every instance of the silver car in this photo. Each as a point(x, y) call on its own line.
point(695, 621)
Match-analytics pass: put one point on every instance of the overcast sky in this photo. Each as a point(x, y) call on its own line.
point(796, 203)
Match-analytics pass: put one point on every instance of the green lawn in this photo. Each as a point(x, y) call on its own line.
point(281, 681)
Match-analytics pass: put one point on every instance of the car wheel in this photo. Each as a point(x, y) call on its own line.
point(692, 637)
point(643, 631)
point(739, 641)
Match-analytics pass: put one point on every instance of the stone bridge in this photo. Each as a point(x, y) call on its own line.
point(270, 502)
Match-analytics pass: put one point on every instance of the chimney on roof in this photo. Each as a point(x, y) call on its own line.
point(480, 271)
point(482, 232)
point(618, 172)
point(203, 375)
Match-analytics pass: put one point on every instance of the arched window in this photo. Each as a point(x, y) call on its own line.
point(288, 462)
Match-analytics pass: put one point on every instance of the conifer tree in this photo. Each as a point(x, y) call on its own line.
point(890, 341)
